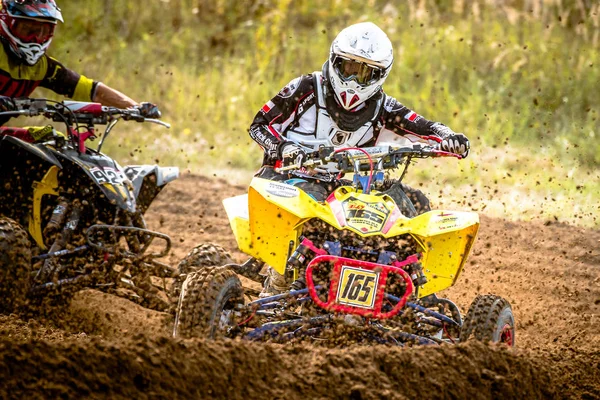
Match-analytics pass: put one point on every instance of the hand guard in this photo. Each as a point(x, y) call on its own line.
point(456, 143)
point(7, 104)
point(149, 110)
point(291, 154)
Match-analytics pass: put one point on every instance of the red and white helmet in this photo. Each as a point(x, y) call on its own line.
point(27, 26)
point(360, 59)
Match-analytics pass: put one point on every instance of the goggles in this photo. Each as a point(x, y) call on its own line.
point(360, 72)
point(32, 31)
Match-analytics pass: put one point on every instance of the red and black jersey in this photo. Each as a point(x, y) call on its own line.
point(18, 79)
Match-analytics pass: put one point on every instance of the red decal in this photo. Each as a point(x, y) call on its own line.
point(267, 107)
point(356, 206)
point(412, 116)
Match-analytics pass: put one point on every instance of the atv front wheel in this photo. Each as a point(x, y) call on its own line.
point(203, 255)
point(490, 319)
point(15, 265)
point(208, 302)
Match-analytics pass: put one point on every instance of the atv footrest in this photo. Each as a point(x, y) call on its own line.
point(112, 233)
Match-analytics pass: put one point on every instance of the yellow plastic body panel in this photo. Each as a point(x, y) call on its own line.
point(446, 238)
point(271, 224)
point(268, 221)
point(47, 186)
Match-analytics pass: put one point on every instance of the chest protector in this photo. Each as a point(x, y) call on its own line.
point(317, 127)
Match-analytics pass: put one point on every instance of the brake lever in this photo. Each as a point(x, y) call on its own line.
point(128, 116)
point(309, 162)
point(28, 113)
point(158, 122)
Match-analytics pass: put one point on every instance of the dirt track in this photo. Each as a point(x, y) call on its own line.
point(106, 346)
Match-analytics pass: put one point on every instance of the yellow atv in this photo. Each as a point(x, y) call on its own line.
point(361, 263)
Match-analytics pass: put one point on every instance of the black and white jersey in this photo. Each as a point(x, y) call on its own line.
point(306, 112)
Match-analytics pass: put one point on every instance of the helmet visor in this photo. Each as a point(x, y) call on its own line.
point(32, 31)
point(362, 73)
point(36, 9)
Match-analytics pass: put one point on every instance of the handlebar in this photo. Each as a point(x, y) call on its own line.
point(364, 159)
point(372, 159)
point(76, 112)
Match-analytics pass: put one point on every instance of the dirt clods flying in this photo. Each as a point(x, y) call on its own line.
point(103, 346)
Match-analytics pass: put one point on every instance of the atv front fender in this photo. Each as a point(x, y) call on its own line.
point(148, 181)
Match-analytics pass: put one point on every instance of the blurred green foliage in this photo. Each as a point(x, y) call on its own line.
point(519, 77)
point(522, 71)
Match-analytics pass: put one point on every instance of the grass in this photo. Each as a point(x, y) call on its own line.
point(520, 82)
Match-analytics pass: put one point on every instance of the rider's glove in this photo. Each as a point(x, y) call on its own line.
point(7, 104)
point(456, 143)
point(149, 110)
point(291, 154)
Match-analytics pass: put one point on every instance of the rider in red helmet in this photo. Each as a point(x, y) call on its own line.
point(26, 31)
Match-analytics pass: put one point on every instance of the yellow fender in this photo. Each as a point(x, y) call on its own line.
point(267, 223)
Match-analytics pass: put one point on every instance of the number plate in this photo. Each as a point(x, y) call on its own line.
point(365, 217)
point(357, 287)
point(107, 175)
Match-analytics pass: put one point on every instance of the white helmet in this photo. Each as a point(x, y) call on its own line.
point(360, 59)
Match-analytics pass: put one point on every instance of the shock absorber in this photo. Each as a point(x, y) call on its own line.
point(296, 262)
point(57, 219)
point(418, 278)
point(49, 267)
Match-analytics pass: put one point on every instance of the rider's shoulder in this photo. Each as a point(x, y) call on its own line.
point(390, 104)
point(300, 84)
point(19, 70)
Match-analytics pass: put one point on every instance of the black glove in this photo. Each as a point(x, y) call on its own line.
point(149, 110)
point(291, 154)
point(7, 104)
point(456, 143)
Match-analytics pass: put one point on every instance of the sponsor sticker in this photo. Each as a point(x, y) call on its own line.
point(339, 137)
point(304, 102)
point(364, 216)
point(289, 89)
point(282, 190)
point(447, 221)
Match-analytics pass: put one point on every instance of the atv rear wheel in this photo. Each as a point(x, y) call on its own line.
point(490, 319)
point(15, 265)
point(207, 303)
point(203, 255)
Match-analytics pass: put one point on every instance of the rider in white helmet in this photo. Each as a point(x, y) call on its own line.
point(342, 106)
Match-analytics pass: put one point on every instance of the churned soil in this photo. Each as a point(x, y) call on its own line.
point(104, 346)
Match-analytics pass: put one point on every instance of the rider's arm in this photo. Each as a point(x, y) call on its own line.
point(64, 81)
point(111, 97)
point(272, 120)
point(404, 122)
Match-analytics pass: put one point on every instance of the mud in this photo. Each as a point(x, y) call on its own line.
point(105, 346)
